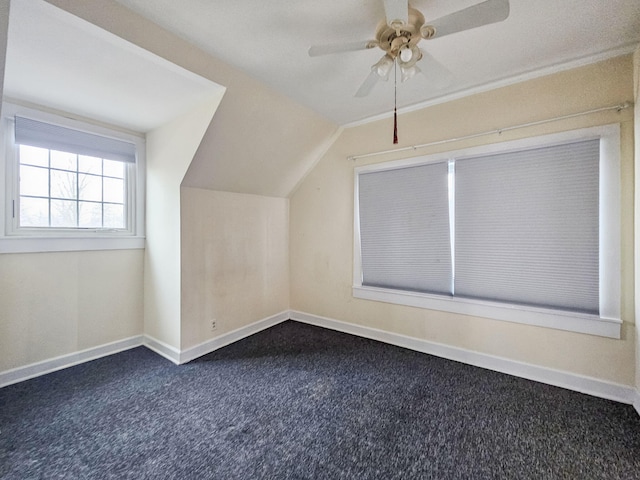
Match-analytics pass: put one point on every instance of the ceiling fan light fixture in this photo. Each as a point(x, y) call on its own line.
point(408, 73)
point(383, 67)
point(409, 56)
point(406, 54)
point(400, 32)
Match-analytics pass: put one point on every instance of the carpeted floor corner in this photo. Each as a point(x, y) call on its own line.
point(301, 402)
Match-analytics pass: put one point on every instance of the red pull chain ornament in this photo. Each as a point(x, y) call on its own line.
point(395, 126)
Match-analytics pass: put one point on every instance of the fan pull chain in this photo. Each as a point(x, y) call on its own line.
point(395, 101)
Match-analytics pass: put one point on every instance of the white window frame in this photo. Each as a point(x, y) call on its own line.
point(25, 240)
point(607, 323)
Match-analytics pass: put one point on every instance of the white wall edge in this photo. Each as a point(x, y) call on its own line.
point(571, 322)
point(163, 349)
point(225, 339)
point(314, 158)
point(571, 381)
point(37, 369)
point(69, 244)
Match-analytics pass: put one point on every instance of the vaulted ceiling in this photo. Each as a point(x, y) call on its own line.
point(59, 61)
point(257, 51)
point(269, 40)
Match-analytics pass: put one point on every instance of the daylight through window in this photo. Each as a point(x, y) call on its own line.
point(66, 190)
point(70, 179)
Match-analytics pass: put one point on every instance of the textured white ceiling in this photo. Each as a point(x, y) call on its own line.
point(269, 40)
point(57, 60)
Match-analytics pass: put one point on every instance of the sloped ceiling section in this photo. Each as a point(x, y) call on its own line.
point(257, 137)
point(59, 61)
point(269, 40)
point(264, 139)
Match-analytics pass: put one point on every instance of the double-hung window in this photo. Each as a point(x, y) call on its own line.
point(69, 179)
point(525, 231)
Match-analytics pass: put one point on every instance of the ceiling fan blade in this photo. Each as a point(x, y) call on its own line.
point(397, 12)
point(484, 13)
point(368, 84)
point(436, 73)
point(318, 50)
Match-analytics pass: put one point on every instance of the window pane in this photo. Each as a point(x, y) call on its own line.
point(527, 227)
point(114, 216)
point(70, 184)
point(63, 184)
point(90, 187)
point(404, 229)
point(34, 181)
point(64, 213)
point(113, 169)
point(64, 160)
point(90, 215)
point(34, 212)
point(34, 156)
point(113, 190)
point(90, 164)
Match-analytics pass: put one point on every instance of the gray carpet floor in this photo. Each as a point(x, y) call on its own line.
point(301, 402)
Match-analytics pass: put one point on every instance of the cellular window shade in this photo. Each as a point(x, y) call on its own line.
point(527, 227)
point(54, 137)
point(404, 229)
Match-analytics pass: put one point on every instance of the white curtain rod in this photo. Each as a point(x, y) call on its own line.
point(619, 108)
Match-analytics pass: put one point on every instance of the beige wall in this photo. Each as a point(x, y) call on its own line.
point(259, 143)
point(235, 261)
point(53, 304)
point(170, 150)
point(321, 231)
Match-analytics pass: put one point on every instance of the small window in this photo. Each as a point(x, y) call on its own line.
point(67, 177)
point(65, 190)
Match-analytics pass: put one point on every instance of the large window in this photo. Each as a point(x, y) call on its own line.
point(67, 178)
point(526, 231)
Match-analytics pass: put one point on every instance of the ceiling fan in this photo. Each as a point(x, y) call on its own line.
point(404, 27)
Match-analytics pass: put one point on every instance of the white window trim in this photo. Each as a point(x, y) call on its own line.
point(56, 240)
point(607, 324)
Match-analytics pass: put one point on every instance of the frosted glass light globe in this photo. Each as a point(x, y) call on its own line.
point(406, 54)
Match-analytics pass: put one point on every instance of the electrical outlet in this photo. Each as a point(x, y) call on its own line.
point(213, 325)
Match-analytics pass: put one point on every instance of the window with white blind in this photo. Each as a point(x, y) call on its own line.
point(525, 231)
point(67, 178)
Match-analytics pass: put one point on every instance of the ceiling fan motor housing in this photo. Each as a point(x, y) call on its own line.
point(391, 40)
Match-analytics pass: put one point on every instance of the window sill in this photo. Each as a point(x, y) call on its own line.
point(559, 320)
point(68, 244)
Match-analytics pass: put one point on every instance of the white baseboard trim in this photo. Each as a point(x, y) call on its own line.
point(163, 349)
point(33, 370)
point(636, 401)
point(571, 381)
point(558, 378)
point(223, 340)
